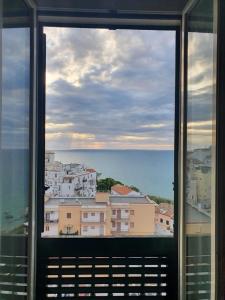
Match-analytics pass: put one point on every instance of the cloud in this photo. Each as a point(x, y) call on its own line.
point(200, 110)
point(14, 118)
point(115, 87)
point(153, 125)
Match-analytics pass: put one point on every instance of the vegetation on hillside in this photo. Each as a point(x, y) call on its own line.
point(134, 188)
point(159, 200)
point(105, 184)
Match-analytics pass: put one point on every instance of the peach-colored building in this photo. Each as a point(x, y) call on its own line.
point(105, 215)
point(164, 217)
point(85, 217)
point(132, 215)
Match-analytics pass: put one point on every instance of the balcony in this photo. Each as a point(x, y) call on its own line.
point(121, 215)
point(55, 220)
point(97, 218)
point(118, 269)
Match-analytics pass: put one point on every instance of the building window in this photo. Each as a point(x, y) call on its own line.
point(161, 220)
point(167, 223)
point(126, 223)
point(132, 212)
point(85, 228)
point(68, 215)
point(114, 212)
point(47, 216)
point(85, 215)
point(47, 228)
point(113, 223)
point(92, 227)
point(92, 214)
point(68, 229)
point(126, 211)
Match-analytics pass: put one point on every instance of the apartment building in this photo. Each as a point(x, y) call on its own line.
point(84, 217)
point(132, 215)
point(164, 220)
point(103, 215)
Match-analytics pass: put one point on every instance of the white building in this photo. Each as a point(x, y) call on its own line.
point(68, 180)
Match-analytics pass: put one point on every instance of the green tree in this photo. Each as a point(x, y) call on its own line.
point(159, 200)
point(105, 184)
point(134, 188)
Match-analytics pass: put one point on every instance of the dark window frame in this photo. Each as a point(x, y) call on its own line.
point(69, 215)
point(112, 246)
point(41, 115)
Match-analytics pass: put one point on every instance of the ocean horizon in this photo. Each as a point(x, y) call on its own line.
point(151, 171)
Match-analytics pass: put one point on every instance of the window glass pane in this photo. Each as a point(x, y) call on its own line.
point(110, 109)
point(200, 156)
point(14, 147)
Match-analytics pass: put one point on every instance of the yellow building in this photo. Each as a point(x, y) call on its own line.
point(107, 215)
point(132, 216)
point(84, 217)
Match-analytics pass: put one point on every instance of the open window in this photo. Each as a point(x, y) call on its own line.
point(109, 132)
point(109, 137)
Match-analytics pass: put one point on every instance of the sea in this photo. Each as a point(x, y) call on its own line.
point(151, 171)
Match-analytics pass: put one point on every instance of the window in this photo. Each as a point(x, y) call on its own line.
point(161, 220)
point(85, 215)
point(112, 122)
point(68, 215)
point(47, 228)
point(200, 149)
point(47, 216)
point(68, 229)
point(167, 222)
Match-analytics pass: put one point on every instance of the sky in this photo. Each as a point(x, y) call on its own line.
point(107, 89)
point(110, 89)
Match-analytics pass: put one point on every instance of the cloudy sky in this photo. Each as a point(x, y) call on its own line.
point(107, 89)
point(110, 89)
point(201, 105)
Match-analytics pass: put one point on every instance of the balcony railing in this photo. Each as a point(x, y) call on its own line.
point(51, 220)
point(122, 217)
point(68, 269)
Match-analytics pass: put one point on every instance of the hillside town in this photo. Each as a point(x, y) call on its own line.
point(199, 178)
point(75, 207)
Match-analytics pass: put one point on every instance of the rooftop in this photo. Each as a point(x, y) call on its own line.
point(70, 201)
point(130, 199)
point(121, 189)
point(101, 200)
